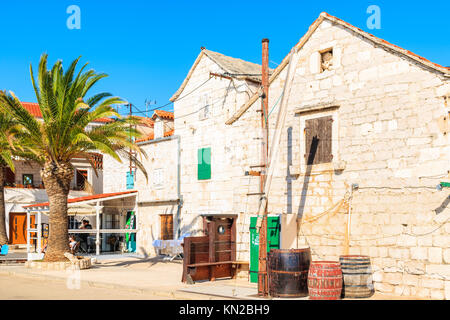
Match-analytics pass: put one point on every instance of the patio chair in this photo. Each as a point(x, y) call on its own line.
point(4, 251)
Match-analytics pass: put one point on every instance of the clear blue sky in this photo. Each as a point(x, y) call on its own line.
point(147, 47)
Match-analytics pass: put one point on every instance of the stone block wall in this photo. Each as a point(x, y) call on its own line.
point(387, 139)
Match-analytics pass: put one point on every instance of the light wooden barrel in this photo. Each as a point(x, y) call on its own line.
point(357, 276)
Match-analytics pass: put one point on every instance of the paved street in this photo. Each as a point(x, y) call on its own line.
point(15, 288)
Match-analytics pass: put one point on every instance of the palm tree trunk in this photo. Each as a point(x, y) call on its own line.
point(3, 236)
point(57, 178)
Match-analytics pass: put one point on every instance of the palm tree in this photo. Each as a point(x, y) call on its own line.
point(8, 147)
point(64, 134)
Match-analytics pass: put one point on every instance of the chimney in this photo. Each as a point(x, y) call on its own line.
point(265, 70)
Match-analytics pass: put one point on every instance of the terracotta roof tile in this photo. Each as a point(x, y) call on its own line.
point(35, 111)
point(163, 114)
point(151, 136)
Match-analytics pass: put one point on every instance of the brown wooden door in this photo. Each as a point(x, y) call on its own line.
point(166, 226)
point(18, 227)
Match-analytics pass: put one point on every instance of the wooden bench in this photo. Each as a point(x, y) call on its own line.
point(213, 268)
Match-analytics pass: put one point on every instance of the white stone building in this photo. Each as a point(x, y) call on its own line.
point(158, 197)
point(211, 176)
point(377, 117)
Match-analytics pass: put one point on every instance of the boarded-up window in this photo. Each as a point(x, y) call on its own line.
point(166, 226)
point(318, 136)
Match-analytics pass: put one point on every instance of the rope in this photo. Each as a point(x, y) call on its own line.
point(276, 103)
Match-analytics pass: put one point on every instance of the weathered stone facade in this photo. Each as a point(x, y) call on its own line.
point(224, 95)
point(386, 138)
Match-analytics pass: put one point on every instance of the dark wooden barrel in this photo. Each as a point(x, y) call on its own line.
point(357, 276)
point(288, 272)
point(325, 280)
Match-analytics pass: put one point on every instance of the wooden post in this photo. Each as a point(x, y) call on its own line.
point(233, 239)
point(28, 231)
point(263, 287)
point(97, 235)
point(212, 247)
point(39, 231)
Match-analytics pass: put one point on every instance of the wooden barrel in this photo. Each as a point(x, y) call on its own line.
point(357, 276)
point(288, 272)
point(325, 280)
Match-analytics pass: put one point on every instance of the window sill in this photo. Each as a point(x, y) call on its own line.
point(325, 74)
point(317, 169)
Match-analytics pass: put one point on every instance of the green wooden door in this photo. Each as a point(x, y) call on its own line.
point(273, 242)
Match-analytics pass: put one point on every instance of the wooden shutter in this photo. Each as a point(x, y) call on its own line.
point(318, 139)
point(166, 227)
point(204, 164)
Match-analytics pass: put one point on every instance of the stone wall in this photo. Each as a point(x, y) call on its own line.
point(386, 139)
point(157, 195)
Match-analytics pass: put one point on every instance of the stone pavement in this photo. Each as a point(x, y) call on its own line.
point(149, 277)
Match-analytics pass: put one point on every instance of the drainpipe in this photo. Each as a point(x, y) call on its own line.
point(179, 196)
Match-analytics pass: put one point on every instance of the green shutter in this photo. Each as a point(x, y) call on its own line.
point(204, 164)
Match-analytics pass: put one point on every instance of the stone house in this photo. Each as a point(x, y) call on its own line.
point(215, 87)
point(363, 150)
point(158, 200)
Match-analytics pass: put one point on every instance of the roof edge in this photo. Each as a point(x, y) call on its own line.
point(324, 15)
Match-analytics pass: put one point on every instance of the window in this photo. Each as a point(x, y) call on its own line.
point(318, 139)
point(27, 179)
point(73, 222)
point(326, 60)
point(159, 129)
point(9, 177)
point(204, 164)
point(82, 177)
point(166, 226)
point(130, 179)
point(112, 221)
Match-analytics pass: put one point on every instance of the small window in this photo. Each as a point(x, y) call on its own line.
point(204, 164)
point(326, 60)
point(82, 178)
point(318, 139)
point(27, 179)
